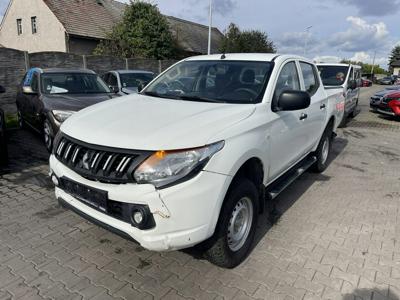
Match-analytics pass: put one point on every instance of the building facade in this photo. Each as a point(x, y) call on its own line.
point(78, 26)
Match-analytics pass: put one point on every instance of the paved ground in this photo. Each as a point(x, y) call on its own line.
point(337, 237)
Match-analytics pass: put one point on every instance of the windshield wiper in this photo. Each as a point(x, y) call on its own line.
point(201, 99)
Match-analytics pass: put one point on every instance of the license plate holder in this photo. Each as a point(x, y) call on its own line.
point(90, 196)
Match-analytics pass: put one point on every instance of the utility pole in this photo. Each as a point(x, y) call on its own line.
point(210, 27)
point(373, 66)
point(306, 39)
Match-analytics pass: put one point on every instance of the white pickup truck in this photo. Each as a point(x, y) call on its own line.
point(194, 158)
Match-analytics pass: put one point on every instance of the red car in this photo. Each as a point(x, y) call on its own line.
point(390, 104)
point(366, 82)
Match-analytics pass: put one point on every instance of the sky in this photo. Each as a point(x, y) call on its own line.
point(351, 29)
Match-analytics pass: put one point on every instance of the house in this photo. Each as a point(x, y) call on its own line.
point(395, 67)
point(77, 26)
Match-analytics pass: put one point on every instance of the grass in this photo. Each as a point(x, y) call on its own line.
point(11, 121)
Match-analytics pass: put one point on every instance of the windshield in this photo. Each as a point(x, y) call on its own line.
point(333, 75)
point(135, 80)
point(213, 81)
point(73, 83)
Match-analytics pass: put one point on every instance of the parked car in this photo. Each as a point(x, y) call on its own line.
point(377, 97)
point(125, 82)
point(3, 137)
point(46, 98)
point(390, 104)
point(347, 78)
point(366, 82)
point(386, 81)
point(173, 174)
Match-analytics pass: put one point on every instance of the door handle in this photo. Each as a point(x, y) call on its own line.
point(303, 116)
point(323, 106)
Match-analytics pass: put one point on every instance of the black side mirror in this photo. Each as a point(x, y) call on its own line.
point(293, 100)
point(114, 89)
point(2, 89)
point(353, 84)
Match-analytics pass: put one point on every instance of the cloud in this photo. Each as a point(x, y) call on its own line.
point(374, 7)
point(224, 7)
point(327, 59)
point(296, 42)
point(361, 36)
point(367, 58)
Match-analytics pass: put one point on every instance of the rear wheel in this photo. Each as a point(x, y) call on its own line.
point(48, 135)
point(323, 151)
point(236, 227)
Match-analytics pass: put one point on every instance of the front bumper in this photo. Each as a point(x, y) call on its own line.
point(185, 214)
point(386, 112)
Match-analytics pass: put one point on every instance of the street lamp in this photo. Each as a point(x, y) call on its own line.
point(210, 28)
point(306, 39)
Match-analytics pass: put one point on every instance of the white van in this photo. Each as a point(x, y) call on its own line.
point(346, 77)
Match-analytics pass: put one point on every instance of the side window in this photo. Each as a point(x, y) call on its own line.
point(112, 80)
point(351, 75)
point(106, 77)
point(35, 83)
point(310, 77)
point(288, 79)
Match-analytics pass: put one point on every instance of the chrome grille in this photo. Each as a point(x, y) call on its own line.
point(99, 163)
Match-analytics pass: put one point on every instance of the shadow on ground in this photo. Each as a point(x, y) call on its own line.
point(361, 294)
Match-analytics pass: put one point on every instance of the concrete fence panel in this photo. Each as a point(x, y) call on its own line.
point(12, 70)
point(46, 60)
point(102, 64)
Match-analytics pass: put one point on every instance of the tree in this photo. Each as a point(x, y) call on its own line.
point(248, 41)
point(143, 32)
point(394, 55)
point(366, 68)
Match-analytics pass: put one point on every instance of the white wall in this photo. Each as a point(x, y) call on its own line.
point(50, 35)
point(396, 71)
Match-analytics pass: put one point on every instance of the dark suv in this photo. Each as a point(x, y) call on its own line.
point(47, 97)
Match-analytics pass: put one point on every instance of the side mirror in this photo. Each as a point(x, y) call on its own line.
point(2, 89)
point(353, 84)
point(114, 89)
point(293, 100)
point(28, 90)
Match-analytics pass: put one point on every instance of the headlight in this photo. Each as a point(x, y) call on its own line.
point(62, 115)
point(166, 167)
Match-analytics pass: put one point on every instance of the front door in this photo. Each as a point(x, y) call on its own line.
point(288, 137)
point(317, 112)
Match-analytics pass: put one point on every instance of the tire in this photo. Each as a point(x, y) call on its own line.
point(241, 208)
point(48, 135)
point(20, 119)
point(323, 151)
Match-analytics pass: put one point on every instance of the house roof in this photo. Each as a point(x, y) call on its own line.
point(94, 18)
point(395, 64)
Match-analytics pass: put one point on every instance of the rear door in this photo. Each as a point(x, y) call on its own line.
point(317, 112)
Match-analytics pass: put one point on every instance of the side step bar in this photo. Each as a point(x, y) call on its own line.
point(287, 179)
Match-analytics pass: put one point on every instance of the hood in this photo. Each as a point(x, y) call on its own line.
point(392, 94)
point(146, 123)
point(74, 102)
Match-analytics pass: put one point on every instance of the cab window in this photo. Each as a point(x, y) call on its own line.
point(288, 79)
point(35, 83)
point(310, 77)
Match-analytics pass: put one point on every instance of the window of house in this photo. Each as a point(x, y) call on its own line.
point(19, 26)
point(34, 25)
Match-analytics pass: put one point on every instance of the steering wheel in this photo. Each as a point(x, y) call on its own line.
point(247, 91)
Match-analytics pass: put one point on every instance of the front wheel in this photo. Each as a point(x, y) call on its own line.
point(323, 151)
point(236, 227)
point(48, 135)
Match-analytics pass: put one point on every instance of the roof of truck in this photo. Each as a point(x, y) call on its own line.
point(339, 65)
point(246, 57)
